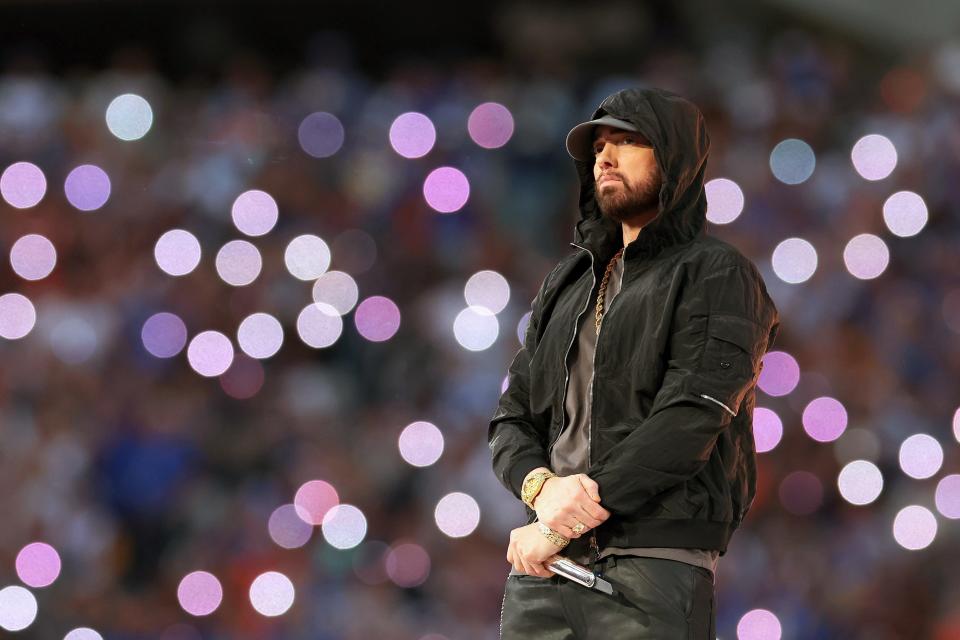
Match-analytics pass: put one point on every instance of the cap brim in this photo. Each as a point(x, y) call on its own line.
point(580, 138)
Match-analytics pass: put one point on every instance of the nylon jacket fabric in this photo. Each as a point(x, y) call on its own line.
point(676, 362)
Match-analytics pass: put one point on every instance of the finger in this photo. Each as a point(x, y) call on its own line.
point(561, 528)
point(592, 488)
point(595, 510)
point(588, 519)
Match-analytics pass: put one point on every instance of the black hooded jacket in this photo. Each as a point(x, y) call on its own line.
point(676, 361)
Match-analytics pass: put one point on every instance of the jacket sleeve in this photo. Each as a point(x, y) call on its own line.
point(723, 325)
point(516, 444)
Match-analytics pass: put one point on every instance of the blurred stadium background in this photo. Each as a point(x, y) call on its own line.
point(265, 265)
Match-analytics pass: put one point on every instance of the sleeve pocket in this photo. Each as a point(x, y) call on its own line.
point(730, 362)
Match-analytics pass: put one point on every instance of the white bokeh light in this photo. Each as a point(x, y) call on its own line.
point(337, 289)
point(905, 213)
point(319, 325)
point(860, 482)
point(487, 289)
point(759, 624)
point(914, 527)
point(17, 316)
point(921, 456)
point(177, 252)
point(129, 117)
point(18, 608)
point(33, 257)
point(272, 594)
point(344, 526)
point(794, 260)
point(767, 429)
point(457, 514)
point(210, 353)
point(874, 157)
point(792, 161)
point(83, 633)
point(260, 335)
point(307, 257)
point(254, 212)
point(866, 256)
point(476, 328)
point(420, 444)
point(238, 263)
point(724, 200)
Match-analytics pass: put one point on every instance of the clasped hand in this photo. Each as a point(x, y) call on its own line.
point(561, 504)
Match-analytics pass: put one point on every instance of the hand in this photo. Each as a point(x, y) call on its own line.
point(564, 501)
point(530, 551)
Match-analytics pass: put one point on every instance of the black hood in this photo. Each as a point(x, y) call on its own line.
point(681, 145)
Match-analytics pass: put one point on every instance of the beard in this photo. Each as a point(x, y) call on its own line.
point(630, 200)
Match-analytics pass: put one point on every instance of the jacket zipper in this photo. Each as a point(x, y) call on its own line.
point(566, 369)
point(594, 547)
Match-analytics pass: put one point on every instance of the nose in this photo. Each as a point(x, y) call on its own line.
point(605, 158)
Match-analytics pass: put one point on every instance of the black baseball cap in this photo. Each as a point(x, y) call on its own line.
point(580, 138)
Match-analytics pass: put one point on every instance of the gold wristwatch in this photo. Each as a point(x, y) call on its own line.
point(532, 486)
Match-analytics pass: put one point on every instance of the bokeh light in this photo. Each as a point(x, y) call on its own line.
point(780, 374)
point(164, 335)
point(446, 189)
point(87, 187)
point(794, 260)
point(860, 482)
point(759, 624)
point(344, 526)
point(522, 326)
point(22, 185)
point(457, 514)
point(18, 608)
point(319, 325)
point(866, 256)
point(408, 565)
point(320, 134)
point(199, 593)
point(487, 289)
point(337, 289)
point(874, 157)
point(272, 594)
point(129, 117)
point(490, 125)
point(244, 379)
point(956, 425)
point(307, 257)
point(314, 499)
point(914, 527)
point(476, 328)
point(210, 353)
point(947, 496)
point(238, 263)
point(287, 529)
point(801, 493)
point(254, 212)
point(412, 135)
point(377, 318)
point(33, 257)
point(905, 213)
point(724, 200)
point(921, 456)
point(767, 429)
point(824, 419)
point(260, 335)
point(177, 252)
point(792, 161)
point(420, 444)
point(38, 565)
point(17, 316)
point(83, 633)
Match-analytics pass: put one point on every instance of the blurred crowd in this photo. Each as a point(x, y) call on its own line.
point(137, 470)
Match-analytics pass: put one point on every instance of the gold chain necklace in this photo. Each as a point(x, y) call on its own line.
point(603, 288)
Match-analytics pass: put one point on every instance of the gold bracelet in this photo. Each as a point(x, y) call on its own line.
point(553, 536)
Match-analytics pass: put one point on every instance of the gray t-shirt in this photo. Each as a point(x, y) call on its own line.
point(569, 454)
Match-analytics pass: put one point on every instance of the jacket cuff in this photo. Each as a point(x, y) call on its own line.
point(522, 467)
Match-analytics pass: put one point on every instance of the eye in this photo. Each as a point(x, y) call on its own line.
point(629, 139)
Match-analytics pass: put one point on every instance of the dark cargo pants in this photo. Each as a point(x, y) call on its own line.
point(661, 599)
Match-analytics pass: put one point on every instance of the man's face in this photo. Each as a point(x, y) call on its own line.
point(626, 173)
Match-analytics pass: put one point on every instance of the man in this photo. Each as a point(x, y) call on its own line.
point(626, 425)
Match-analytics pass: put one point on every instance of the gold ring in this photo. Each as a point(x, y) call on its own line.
point(578, 528)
